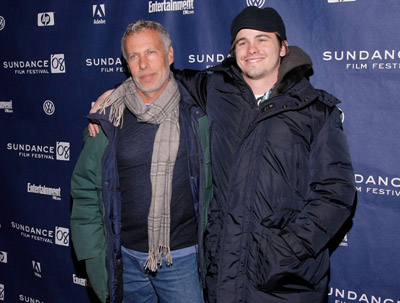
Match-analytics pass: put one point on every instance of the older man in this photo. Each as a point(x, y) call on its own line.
point(136, 187)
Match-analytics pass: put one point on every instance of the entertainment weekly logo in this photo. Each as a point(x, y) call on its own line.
point(80, 281)
point(58, 236)
point(7, 106)
point(61, 151)
point(378, 185)
point(54, 65)
point(186, 6)
point(53, 192)
point(350, 296)
point(360, 60)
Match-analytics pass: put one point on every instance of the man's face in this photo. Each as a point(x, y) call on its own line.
point(258, 54)
point(148, 62)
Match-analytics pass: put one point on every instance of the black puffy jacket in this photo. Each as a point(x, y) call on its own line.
point(283, 184)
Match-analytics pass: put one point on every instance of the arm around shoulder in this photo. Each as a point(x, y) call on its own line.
point(196, 83)
point(94, 128)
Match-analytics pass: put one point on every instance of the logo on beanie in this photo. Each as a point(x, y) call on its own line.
point(258, 3)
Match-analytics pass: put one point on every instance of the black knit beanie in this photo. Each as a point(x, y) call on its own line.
point(263, 19)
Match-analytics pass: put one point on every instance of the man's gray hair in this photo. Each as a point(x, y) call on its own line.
point(141, 25)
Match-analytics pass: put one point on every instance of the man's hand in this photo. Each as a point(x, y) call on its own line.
point(94, 128)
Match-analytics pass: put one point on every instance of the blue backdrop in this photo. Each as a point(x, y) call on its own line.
point(57, 57)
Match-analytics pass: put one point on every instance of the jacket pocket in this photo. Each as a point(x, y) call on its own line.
point(275, 268)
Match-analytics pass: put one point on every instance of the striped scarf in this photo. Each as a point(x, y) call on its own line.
point(165, 112)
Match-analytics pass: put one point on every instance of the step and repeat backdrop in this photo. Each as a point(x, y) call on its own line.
point(57, 57)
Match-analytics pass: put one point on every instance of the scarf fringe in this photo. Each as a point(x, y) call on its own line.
point(117, 108)
point(155, 258)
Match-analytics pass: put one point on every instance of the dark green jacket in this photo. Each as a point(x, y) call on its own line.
point(96, 211)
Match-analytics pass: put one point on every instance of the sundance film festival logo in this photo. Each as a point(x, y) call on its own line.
point(106, 65)
point(349, 296)
point(62, 151)
point(37, 269)
point(385, 59)
point(58, 236)
point(208, 60)
point(45, 19)
point(55, 65)
point(378, 185)
point(24, 298)
point(59, 152)
point(99, 14)
point(62, 236)
point(48, 107)
point(2, 23)
point(3, 257)
point(258, 3)
point(186, 6)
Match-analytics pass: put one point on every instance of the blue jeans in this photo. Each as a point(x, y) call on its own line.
point(178, 283)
